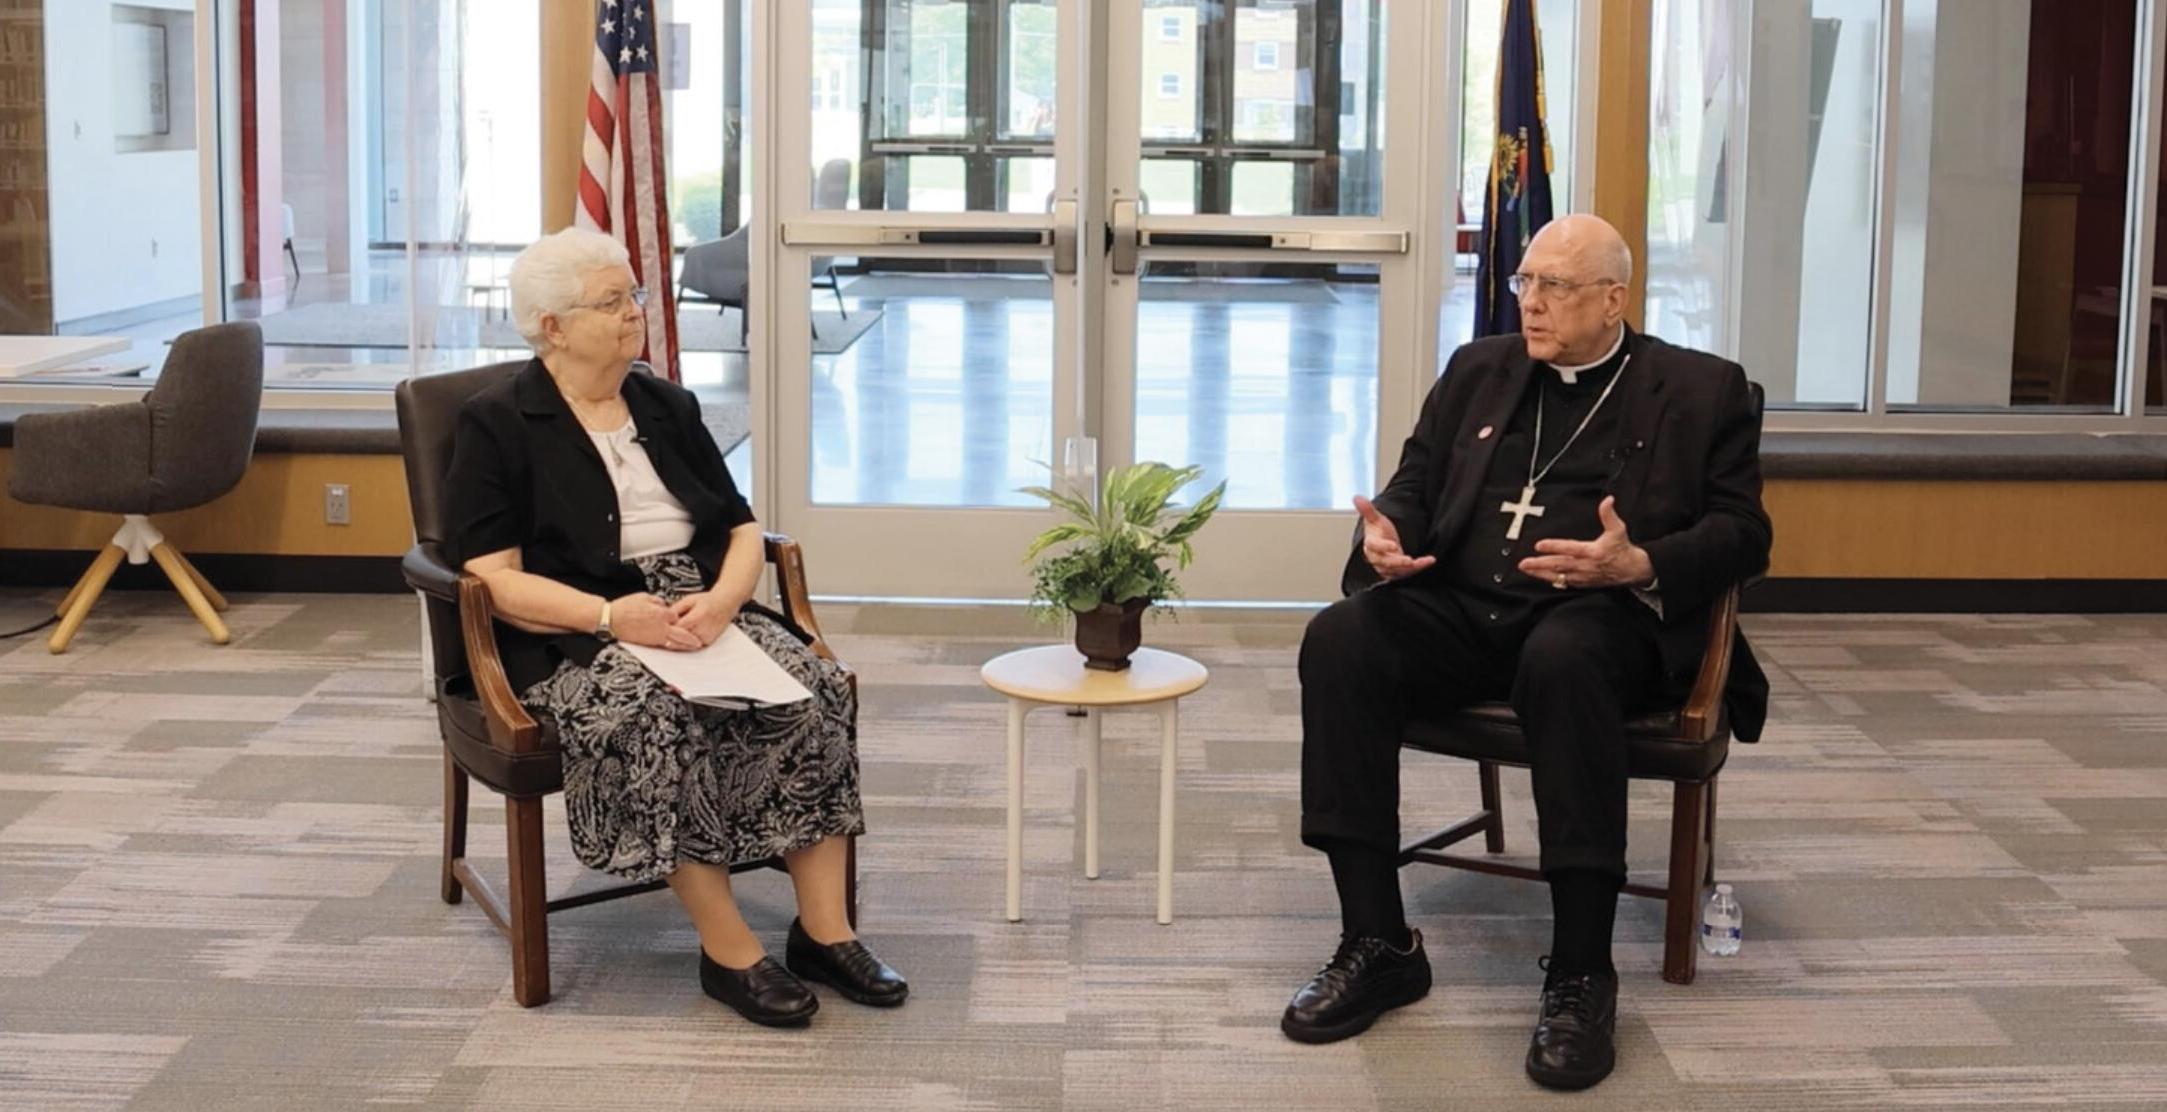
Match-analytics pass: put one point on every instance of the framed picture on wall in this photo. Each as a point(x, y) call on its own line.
point(140, 81)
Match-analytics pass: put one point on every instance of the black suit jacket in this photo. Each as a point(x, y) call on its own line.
point(525, 475)
point(1688, 488)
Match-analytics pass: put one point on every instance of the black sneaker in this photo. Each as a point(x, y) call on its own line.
point(1575, 1043)
point(1365, 979)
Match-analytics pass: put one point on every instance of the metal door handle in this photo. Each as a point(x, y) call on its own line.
point(1067, 243)
point(1123, 237)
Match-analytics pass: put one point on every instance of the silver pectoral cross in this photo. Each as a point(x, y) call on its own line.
point(1522, 510)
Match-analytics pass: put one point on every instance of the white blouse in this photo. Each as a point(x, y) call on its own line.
point(650, 520)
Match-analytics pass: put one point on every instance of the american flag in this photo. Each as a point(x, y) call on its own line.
point(620, 175)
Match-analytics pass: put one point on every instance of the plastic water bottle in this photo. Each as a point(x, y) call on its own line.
point(1722, 924)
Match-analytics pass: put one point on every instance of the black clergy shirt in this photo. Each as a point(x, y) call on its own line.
point(1485, 570)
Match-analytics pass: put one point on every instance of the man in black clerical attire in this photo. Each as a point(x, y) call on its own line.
point(1499, 563)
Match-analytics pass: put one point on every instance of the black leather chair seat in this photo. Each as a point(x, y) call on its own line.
point(466, 732)
point(1491, 732)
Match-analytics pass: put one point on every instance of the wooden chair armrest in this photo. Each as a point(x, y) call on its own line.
point(797, 600)
point(1698, 720)
point(511, 728)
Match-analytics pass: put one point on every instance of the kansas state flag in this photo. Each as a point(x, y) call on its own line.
point(1518, 203)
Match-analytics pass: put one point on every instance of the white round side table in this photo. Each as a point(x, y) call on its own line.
point(1055, 676)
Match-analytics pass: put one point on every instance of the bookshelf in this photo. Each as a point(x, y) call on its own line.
point(26, 276)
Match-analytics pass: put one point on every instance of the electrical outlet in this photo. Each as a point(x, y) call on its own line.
point(338, 508)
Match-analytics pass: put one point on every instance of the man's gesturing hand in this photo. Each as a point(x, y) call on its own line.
point(1611, 560)
point(1381, 544)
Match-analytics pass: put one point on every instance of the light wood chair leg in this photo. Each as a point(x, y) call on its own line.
point(83, 597)
point(169, 561)
point(210, 593)
point(528, 910)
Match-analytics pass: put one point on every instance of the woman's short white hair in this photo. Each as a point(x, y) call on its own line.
point(551, 274)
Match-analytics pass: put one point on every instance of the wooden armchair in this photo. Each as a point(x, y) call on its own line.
point(1686, 746)
point(488, 735)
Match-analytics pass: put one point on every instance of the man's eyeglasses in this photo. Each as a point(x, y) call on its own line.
point(1549, 286)
point(615, 306)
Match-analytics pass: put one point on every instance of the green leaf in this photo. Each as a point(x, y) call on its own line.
point(1059, 534)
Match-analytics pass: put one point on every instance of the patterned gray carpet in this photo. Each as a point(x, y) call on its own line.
point(217, 891)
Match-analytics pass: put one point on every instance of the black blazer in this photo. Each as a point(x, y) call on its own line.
point(525, 475)
point(1689, 486)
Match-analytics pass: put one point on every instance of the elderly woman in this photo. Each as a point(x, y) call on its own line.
point(596, 506)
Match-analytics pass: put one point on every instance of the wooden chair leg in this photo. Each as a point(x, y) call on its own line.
point(1708, 851)
point(850, 880)
point(1688, 822)
point(455, 827)
point(83, 597)
point(528, 911)
point(169, 562)
point(210, 593)
point(1493, 834)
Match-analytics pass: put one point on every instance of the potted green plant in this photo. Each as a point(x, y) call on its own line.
point(1114, 567)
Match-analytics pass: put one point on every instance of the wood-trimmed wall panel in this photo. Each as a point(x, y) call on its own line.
point(278, 509)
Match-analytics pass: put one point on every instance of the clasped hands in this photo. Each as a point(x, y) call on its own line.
point(692, 622)
point(1610, 560)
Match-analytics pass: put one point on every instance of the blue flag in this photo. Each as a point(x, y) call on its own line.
point(1518, 201)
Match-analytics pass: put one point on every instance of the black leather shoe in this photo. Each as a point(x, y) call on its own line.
point(1575, 1043)
point(848, 967)
point(1365, 979)
point(766, 993)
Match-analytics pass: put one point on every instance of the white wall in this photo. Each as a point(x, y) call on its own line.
point(127, 230)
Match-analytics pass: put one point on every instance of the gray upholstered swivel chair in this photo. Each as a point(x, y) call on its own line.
point(183, 444)
point(831, 190)
point(718, 271)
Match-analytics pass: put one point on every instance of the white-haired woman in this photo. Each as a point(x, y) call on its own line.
point(596, 506)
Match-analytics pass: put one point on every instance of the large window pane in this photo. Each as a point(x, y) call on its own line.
point(2011, 200)
point(1690, 171)
point(1270, 68)
point(100, 245)
point(1172, 96)
point(1808, 224)
point(949, 87)
point(1268, 384)
point(1031, 53)
point(1263, 189)
point(1169, 186)
point(1029, 183)
point(1298, 81)
point(936, 390)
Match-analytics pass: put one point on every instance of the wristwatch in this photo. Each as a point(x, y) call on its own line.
point(601, 628)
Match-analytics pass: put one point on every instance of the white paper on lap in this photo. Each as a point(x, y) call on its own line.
point(733, 672)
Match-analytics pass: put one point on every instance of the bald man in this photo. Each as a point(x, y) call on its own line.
point(1572, 501)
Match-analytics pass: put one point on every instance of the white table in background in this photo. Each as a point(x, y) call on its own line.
point(28, 355)
point(24, 355)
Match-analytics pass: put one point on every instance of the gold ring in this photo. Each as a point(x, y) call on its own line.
point(1560, 584)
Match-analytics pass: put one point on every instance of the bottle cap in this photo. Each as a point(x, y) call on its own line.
point(1725, 889)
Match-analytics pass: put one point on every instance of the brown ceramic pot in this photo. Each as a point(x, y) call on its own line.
point(1108, 635)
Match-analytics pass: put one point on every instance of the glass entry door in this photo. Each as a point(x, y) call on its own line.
point(1228, 269)
point(1263, 289)
point(923, 336)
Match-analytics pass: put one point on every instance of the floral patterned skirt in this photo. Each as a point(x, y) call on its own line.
point(651, 778)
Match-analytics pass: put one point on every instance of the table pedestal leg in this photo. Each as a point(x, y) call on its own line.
point(1169, 728)
point(1093, 734)
point(1016, 711)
